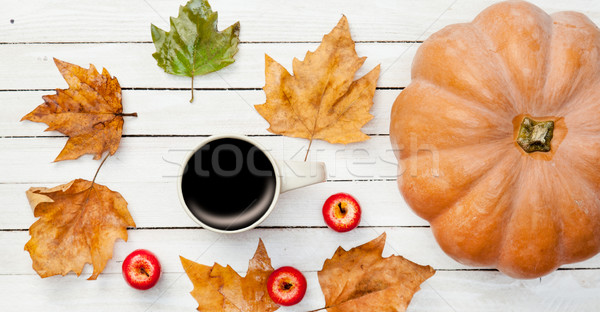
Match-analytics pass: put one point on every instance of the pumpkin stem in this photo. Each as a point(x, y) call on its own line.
point(535, 136)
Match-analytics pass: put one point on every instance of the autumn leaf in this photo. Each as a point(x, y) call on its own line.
point(361, 280)
point(89, 112)
point(219, 288)
point(79, 223)
point(321, 100)
point(194, 46)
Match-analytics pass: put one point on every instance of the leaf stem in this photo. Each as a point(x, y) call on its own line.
point(89, 190)
point(307, 150)
point(98, 170)
point(192, 99)
point(127, 114)
point(315, 310)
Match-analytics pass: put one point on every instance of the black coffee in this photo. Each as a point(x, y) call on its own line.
point(228, 184)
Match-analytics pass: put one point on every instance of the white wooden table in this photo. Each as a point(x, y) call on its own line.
point(116, 34)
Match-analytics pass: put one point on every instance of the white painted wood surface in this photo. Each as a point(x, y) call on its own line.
point(115, 34)
point(262, 20)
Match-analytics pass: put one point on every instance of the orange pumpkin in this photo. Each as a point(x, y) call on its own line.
point(499, 136)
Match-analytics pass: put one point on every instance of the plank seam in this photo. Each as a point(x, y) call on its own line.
point(241, 42)
point(258, 227)
point(175, 89)
point(158, 136)
point(315, 271)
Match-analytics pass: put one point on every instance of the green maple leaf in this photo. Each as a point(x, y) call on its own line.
point(194, 46)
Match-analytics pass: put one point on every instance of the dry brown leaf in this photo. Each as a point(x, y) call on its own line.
point(360, 280)
point(219, 288)
point(89, 112)
point(79, 223)
point(321, 100)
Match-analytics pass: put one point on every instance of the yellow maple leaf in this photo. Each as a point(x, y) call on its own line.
point(321, 100)
point(219, 288)
point(89, 112)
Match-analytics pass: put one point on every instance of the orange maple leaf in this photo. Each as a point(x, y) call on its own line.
point(321, 100)
point(362, 280)
point(79, 223)
point(89, 112)
point(219, 288)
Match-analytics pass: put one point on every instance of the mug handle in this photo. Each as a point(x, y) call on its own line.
point(296, 174)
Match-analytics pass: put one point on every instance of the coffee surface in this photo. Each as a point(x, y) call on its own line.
point(228, 184)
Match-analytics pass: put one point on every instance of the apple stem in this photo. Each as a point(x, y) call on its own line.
point(144, 271)
point(342, 209)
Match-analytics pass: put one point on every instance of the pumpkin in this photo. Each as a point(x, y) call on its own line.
point(498, 139)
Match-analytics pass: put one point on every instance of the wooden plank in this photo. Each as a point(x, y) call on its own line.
point(166, 112)
point(32, 67)
point(304, 248)
point(159, 159)
point(446, 291)
point(157, 205)
point(564, 291)
point(262, 20)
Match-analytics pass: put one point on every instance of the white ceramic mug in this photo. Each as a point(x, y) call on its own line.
point(288, 175)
